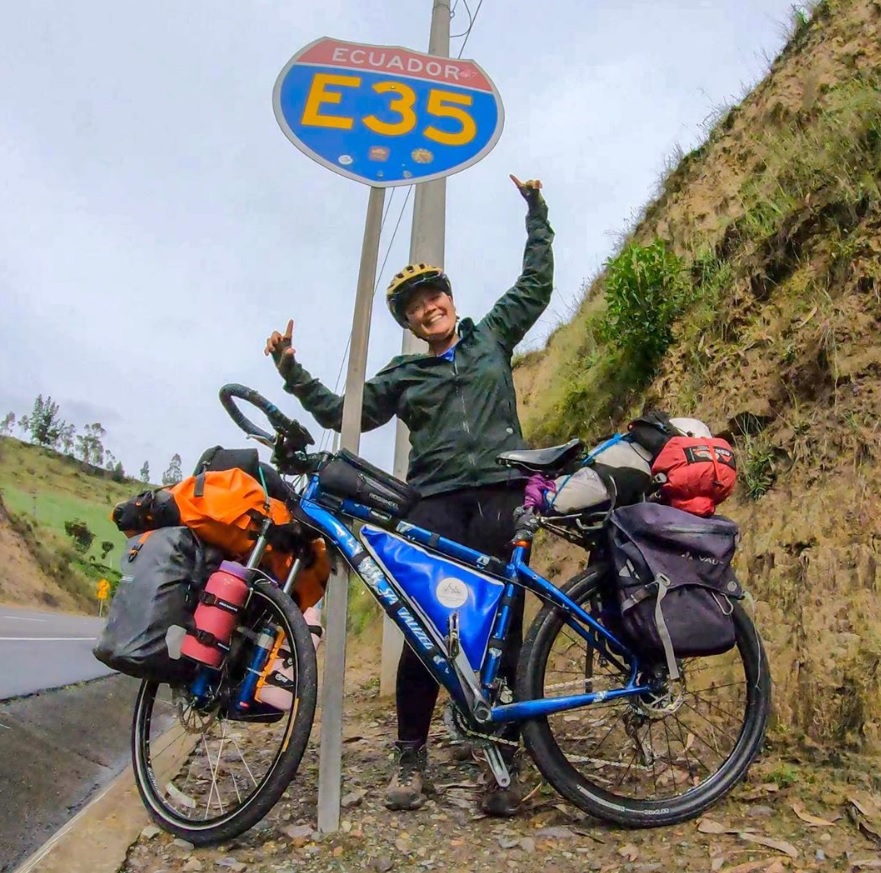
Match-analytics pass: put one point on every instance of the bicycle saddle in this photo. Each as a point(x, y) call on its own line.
point(542, 460)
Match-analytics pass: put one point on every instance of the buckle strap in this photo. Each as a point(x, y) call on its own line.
point(663, 584)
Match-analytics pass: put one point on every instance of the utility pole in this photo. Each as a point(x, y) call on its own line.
point(337, 597)
point(427, 239)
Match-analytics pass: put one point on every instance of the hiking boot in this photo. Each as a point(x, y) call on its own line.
point(409, 787)
point(502, 802)
point(463, 752)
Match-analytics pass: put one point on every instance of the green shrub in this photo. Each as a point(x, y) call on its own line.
point(758, 471)
point(646, 290)
point(80, 533)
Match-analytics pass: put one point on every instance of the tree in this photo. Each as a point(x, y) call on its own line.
point(67, 438)
point(118, 472)
point(24, 425)
point(89, 445)
point(173, 474)
point(80, 533)
point(7, 424)
point(45, 422)
point(109, 460)
point(106, 548)
point(145, 473)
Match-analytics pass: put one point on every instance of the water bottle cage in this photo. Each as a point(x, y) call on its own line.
point(210, 599)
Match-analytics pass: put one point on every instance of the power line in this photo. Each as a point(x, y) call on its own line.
point(388, 207)
point(470, 25)
point(394, 234)
point(470, 20)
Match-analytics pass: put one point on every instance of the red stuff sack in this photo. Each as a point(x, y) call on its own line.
point(695, 474)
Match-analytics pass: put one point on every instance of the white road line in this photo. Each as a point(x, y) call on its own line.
point(22, 618)
point(47, 639)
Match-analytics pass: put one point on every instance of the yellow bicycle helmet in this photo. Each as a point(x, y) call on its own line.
point(408, 280)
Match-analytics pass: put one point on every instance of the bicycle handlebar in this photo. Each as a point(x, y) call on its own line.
point(294, 434)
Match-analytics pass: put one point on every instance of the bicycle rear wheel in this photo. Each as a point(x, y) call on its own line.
point(207, 773)
point(649, 760)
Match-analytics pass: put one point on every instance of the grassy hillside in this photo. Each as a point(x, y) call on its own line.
point(772, 281)
point(41, 490)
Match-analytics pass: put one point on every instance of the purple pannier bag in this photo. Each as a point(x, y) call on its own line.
point(674, 581)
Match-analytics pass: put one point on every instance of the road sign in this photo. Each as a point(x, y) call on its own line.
point(103, 589)
point(385, 115)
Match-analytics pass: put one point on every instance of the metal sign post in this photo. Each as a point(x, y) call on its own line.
point(383, 116)
point(337, 597)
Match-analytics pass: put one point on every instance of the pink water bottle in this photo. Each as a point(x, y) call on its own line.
point(215, 618)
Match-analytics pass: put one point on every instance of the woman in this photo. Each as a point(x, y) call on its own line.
point(459, 404)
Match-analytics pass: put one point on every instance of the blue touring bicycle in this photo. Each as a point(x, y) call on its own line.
point(613, 732)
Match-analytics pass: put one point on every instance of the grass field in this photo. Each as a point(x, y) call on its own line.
point(42, 490)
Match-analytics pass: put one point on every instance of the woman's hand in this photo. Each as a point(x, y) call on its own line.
point(279, 346)
point(530, 190)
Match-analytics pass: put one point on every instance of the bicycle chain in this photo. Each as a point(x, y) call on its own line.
point(452, 723)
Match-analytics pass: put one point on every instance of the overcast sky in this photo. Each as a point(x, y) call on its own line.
point(156, 225)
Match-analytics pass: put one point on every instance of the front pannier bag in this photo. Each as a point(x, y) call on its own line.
point(674, 581)
point(162, 573)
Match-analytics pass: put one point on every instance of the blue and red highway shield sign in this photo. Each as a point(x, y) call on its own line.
point(385, 115)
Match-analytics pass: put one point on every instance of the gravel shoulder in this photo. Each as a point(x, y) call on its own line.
point(796, 811)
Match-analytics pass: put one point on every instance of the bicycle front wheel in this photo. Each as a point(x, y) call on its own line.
point(648, 760)
point(206, 772)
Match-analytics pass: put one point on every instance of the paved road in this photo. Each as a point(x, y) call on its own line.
point(41, 650)
point(57, 749)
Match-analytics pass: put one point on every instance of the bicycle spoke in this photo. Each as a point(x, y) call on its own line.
point(624, 773)
point(712, 748)
point(670, 751)
point(686, 746)
point(713, 705)
point(214, 768)
point(654, 758)
point(698, 713)
point(247, 768)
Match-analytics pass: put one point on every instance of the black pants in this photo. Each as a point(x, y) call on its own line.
point(482, 519)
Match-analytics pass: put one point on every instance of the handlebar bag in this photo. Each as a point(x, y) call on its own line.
point(347, 475)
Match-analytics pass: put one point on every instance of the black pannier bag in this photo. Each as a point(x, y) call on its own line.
point(163, 572)
point(674, 581)
point(347, 475)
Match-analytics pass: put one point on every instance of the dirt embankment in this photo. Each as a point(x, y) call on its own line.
point(22, 582)
point(781, 207)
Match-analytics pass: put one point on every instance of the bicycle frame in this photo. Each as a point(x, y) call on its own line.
point(470, 686)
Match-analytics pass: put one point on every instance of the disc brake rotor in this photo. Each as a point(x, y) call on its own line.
point(192, 720)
